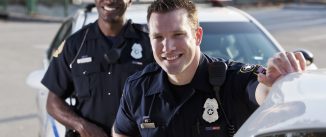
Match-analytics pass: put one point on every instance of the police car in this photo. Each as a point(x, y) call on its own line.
point(294, 108)
point(229, 33)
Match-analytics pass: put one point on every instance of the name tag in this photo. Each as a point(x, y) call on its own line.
point(84, 60)
point(147, 125)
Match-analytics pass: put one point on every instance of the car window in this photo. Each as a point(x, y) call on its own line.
point(297, 133)
point(63, 32)
point(240, 41)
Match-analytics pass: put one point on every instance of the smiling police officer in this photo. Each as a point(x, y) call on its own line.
point(187, 93)
point(92, 65)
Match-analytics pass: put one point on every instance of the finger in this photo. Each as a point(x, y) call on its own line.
point(293, 61)
point(285, 63)
point(264, 80)
point(275, 63)
point(302, 61)
point(270, 66)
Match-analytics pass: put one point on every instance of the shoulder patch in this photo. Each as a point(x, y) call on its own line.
point(256, 69)
point(57, 52)
point(247, 68)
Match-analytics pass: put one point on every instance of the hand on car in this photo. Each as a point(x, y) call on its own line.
point(281, 64)
point(91, 130)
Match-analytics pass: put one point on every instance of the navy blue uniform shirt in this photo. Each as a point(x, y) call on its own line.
point(150, 108)
point(86, 71)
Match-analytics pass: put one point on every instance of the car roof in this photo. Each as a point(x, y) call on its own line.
point(295, 102)
point(206, 13)
point(221, 14)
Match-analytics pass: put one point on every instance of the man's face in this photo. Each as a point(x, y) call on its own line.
point(175, 44)
point(111, 10)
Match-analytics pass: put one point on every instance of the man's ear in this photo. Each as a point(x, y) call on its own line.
point(199, 35)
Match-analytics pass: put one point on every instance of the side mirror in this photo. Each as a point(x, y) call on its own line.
point(307, 55)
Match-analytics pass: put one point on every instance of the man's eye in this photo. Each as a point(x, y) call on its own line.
point(179, 34)
point(157, 37)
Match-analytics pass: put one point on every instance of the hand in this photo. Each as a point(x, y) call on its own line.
point(281, 64)
point(91, 130)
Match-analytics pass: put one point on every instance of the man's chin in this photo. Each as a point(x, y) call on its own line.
point(172, 71)
point(110, 19)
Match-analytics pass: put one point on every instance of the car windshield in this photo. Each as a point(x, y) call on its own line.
point(240, 41)
point(298, 133)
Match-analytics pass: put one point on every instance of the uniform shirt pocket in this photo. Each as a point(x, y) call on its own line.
point(82, 87)
point(85, 77)
point(158, 131)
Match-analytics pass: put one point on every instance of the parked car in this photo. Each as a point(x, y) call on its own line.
point(228, 33)
point(294, 108)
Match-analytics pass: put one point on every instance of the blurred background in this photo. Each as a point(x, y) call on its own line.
point(27, 27)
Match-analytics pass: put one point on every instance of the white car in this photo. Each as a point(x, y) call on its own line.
point(228, 33)
point(294, 108)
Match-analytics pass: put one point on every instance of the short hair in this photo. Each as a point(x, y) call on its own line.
point(164, 6)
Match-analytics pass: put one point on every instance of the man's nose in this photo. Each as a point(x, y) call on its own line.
point(168, 45)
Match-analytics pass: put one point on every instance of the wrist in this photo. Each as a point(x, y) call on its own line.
point(262, 92)
point(80, 125)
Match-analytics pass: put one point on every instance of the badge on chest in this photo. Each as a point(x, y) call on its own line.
point(210, 113)
point(136, 51)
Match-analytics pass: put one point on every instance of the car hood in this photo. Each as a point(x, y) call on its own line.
point(295, 102)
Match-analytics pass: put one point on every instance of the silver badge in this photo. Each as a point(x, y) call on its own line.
point(136, 51)
point(210, 113)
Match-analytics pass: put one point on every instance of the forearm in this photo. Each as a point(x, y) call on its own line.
point(60, 110)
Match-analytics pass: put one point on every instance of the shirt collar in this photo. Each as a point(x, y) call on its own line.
point(159, 84)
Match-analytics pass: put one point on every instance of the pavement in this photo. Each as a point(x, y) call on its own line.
point(19, 17)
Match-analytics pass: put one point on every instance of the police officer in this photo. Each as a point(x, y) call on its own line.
point(92, 65)
point(186, 93)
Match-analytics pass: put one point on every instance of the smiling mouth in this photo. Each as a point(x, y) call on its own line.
point(107, 8)
point(172, 58)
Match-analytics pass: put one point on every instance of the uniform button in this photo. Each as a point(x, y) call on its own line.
point(109, 73)
point(84, 72)
point(109, 93)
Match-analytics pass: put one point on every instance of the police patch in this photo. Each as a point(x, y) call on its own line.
point(247, 68)
point(57, 52)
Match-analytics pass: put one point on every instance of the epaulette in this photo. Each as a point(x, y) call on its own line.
point(141, 27)
point(213, 59)
point(233, 65)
